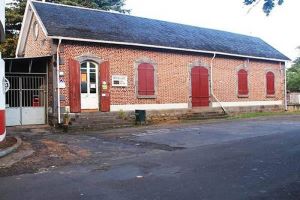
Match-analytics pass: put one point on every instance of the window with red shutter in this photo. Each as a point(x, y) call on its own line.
point(146, 85)
point(243, 83)
point(270, 80)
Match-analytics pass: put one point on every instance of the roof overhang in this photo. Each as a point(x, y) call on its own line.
point(165, 47)
point(30, 12)
point(29, 58)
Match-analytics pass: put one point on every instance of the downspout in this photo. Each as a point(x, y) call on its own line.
point(212, 85)
point(57, 80)
point(285, 88)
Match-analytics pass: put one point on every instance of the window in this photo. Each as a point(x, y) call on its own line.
point(35, 30)
point(243, 83)
point(146, 79)
point(88, 74)
point(270, 82)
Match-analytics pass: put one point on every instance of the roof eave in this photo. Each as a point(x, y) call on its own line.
point(166, 47)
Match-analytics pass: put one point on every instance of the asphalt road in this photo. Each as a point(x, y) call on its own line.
point(247, 159)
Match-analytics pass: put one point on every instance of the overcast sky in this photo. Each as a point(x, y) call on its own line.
point(280, 29)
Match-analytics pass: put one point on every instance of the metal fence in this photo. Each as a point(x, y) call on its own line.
point(26, 91)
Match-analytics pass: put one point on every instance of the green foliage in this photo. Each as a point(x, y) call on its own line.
point(293, 77)
point(14, 15)
point(267, 6)
point(8, 47)
point(115, 5)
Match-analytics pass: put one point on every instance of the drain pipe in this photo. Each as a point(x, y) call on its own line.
point(285, 88)
point(212, 85)
point(57, 80)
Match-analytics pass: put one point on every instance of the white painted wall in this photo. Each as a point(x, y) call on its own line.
point(247, 103)
point(130, 107)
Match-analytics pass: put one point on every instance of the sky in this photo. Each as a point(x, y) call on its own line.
point(280, 29)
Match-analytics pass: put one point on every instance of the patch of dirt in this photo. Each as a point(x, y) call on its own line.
point(8, 142)
point(47, 154)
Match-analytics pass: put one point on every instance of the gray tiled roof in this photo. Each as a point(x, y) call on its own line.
point(66, 21)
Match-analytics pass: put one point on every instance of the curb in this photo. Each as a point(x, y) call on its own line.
point(11, 149)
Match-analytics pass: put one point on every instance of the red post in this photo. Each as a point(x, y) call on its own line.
point(2, 100)
point(2, 74)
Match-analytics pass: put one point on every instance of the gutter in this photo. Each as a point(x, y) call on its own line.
point(285, 88)
point(165, 47)
point(57, 80)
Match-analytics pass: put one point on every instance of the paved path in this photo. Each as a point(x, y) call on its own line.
point(246, 159)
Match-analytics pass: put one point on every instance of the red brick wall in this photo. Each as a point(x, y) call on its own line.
point(40, 46)
point(225, 79)
point(173, 74)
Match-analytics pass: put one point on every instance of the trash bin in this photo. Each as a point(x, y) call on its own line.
point(140, 116)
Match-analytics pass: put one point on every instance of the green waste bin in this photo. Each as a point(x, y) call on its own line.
point(140, 116)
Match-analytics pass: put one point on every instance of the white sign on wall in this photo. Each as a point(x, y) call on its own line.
point(61, 84)
point(119, 81)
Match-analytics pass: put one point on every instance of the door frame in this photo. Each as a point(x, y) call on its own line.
point(199, 63)
point(97, 83)
point(101, 65)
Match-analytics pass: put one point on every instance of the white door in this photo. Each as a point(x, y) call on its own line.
point(89, 85)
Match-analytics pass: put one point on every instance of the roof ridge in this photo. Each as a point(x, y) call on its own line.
point(177, 36)
point(81, 7)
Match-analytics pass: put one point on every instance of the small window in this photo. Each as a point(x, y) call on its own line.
point(146, 85)
point(270, 80)
point(35, 30)
point(243, 83)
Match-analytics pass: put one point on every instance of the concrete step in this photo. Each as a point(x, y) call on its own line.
point(99, 121)
point(98, 127)
point(204, 115)
point(206, 118)
point(103, 114)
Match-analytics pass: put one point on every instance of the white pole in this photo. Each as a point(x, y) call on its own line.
point(57, 80)
point(2, 100)
point(285, 88)
point(2, 76)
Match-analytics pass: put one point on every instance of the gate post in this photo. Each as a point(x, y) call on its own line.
point(2, 100)
point(2, 74)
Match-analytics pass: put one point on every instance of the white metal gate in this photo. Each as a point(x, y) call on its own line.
point(26, 100)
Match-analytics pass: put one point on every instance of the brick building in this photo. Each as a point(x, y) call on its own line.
point(106, 61)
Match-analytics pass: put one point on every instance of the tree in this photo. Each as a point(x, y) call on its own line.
point(14, 14)
point(267, 6)
point(293, 77)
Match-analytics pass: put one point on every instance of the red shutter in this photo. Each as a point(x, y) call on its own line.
point(270, 83)
point(242, 82)
point(74, 88)
point(104, 88)
point(146, 84)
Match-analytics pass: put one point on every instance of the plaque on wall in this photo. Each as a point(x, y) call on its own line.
point(119, 81)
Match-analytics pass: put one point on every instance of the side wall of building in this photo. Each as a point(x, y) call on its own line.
point(173, 77)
